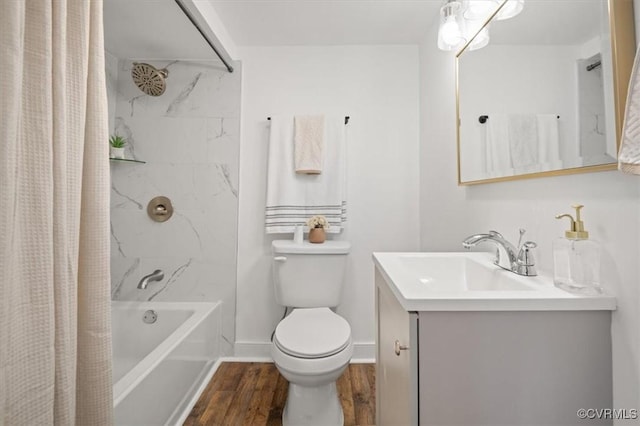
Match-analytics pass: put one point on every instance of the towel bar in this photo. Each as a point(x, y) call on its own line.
point(346, 119)
point(483, 118)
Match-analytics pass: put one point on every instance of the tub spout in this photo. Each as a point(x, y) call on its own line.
point(156, 275)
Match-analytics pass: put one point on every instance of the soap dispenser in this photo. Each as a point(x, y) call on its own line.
point(576, 258)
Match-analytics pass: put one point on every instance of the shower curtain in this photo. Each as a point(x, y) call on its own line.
point(55, 347)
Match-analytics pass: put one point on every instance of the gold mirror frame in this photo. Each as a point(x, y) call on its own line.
point(623, 49)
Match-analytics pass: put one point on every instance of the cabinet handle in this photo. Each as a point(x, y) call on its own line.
point(397, 347)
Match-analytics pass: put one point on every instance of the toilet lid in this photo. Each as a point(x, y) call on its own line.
point(312, 333)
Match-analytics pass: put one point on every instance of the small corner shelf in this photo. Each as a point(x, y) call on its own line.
point(127, 160)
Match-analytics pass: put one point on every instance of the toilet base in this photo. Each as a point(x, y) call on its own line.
point(313, 406)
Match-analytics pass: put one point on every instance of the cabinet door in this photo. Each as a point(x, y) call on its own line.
point(396, 371)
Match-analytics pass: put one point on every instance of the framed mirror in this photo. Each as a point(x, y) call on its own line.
point(546, 96)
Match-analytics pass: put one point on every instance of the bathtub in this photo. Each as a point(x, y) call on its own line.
point(160, 368)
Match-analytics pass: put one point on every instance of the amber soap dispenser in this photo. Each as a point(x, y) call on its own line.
point(576, 258)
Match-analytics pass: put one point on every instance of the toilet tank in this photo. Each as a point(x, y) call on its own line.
point(309, 275)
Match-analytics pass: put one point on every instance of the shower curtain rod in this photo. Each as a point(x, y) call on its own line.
point(209, 42)
point(346, 119)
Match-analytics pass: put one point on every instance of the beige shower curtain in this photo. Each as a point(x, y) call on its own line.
point(55, 345)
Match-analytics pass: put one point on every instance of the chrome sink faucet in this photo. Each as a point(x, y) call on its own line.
point(156, 275)
point(521, 263)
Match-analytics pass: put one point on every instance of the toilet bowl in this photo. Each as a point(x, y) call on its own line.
point(311, 348)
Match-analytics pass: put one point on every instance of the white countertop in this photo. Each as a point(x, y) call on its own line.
point(541, 295)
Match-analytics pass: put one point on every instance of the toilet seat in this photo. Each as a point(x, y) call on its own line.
point(312, 333)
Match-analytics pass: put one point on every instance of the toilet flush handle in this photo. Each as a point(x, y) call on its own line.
point(280, 258)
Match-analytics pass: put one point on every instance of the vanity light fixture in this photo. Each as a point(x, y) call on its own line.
point(460, 20)
point(474, 29)
point(479, 9)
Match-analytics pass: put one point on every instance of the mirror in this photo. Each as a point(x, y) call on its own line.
point(546, 96)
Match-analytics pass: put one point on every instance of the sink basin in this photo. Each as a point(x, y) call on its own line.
point(460, 274)
point(469, 281)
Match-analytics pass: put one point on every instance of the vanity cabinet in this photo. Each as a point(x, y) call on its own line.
point(396, 381)
point(488, 366)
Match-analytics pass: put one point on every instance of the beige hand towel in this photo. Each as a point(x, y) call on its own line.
point(309, 144)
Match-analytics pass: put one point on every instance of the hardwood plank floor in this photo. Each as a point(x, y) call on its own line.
point(254, 394)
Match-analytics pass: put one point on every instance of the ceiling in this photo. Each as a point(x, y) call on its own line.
point(566, 22)
point(157, 29)
point(327, 22)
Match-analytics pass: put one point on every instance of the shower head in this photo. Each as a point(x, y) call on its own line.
point(149, 79)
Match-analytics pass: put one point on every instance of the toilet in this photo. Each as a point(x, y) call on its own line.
point(312, 345)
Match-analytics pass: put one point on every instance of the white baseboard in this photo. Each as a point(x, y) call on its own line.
point(251, 350)
point(261, 352)
point(364, 353)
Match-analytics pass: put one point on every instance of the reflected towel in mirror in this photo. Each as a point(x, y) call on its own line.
point(548, 140)
point(523, 140)
point(498, 156)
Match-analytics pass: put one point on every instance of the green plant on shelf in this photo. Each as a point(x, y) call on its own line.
point(117, 141)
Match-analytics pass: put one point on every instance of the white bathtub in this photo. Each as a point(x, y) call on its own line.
point(159, 368)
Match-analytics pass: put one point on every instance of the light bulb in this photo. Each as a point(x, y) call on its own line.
point(451, 25)
point(451, 34)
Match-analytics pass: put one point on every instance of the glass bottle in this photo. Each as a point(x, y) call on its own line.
point(576, 259)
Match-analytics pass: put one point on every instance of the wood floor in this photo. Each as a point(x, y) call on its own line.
point(253, 394)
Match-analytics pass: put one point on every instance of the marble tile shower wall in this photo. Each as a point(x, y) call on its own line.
point(189, 138)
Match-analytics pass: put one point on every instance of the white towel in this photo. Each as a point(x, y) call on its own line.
point(548, 139)
point(309, 143)
point(523, 140)
point(497, 143)
point(293, 198)
point(629, 155)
